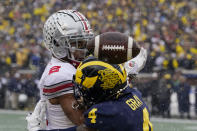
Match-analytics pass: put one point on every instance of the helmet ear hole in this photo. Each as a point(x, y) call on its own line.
point(55, 43)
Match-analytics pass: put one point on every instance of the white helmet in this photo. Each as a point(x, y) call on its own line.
point(66, 32)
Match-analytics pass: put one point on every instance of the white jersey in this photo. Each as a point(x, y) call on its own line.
point(56, 81)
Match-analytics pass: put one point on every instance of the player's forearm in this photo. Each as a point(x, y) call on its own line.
point(75, 115)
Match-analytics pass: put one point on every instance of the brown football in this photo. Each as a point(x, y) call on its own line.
point(113, 47)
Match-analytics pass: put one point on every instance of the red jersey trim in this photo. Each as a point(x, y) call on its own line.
point(58, 88)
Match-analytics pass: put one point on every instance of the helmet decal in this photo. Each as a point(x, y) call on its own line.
point(121, 73)
point(109, 78)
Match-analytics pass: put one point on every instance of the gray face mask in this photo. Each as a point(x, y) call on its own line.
point(73, 47)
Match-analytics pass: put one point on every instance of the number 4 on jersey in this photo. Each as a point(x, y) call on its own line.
point(92, 115)
point(54, 69)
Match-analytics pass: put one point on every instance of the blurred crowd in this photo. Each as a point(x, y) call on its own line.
point(158, 90)
point(168, 29)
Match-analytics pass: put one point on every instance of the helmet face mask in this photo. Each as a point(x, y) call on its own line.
point(74, 49)
point(85, 97)
point(65, 33)
point(79, 96)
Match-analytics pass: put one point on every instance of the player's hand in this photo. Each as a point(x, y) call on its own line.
point(36, 120)
point(136, 64)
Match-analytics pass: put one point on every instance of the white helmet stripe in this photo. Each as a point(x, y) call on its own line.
point(96, 49)
point(129, 50)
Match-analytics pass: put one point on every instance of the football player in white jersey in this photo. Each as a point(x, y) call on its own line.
point(66, 33)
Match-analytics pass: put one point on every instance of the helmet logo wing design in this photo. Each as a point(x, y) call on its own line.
point(109, 78)
point(89, 81)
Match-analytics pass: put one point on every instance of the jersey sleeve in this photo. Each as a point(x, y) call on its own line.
point(58, 89)
point(58, 82)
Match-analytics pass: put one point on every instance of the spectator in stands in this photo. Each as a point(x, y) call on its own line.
point(163, 93)
point(31, 90)
point(2, 93)
point(14, 87)
point(154, 97)
point(7, 92)
point(187, 62)
point(183, 89)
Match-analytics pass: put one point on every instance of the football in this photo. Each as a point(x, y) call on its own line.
point(113, 47)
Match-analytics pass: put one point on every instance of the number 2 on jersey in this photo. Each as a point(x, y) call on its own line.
point(92, 115)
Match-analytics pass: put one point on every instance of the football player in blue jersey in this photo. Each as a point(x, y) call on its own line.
point(110, 104)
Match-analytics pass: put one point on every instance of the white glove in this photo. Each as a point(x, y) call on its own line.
point(36, 120)
point(136, 64)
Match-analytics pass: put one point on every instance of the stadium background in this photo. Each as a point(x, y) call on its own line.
point(168, 29)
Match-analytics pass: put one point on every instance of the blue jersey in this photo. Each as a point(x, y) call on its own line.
point(128, 113)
